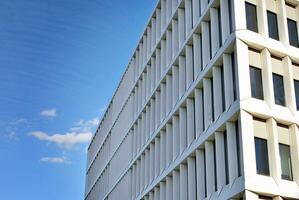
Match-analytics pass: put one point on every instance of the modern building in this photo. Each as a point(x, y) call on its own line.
point(207, 107)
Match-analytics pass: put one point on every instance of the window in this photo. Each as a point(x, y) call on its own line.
point(293, 33)
point(212, 95)
point(261, 197)
point(285, 162)
point(272, 25)
point(210, 40)
point(219, 26)
point(226, 158)
point(215, 165)
point(256, 83)
point(222, 89)
point(278, 89)
point(234, 75)
point(261, 156)
point(238, 146)
point(296, 84)
point(251, 17)
point(205, 172)
point(230, 16)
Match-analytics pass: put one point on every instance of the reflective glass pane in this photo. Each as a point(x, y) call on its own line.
point(256, 83)
point(272, 25)
point(251, 18)
point(285, 161)
point(261, 155)
point(278, 89)
point(293, 33)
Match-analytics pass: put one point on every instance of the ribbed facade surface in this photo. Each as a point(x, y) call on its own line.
point(207, 107)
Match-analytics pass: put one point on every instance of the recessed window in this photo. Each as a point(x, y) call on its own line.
point(278, 89)
point(261, 197)
point(256, 83)
point(251, 17)
point(285, 161)
point(272, 25)
point(261, 156)
point(219, 27)
point(296, 85)
point(293, 33)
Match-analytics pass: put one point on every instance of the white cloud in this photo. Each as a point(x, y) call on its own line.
point(85, 126)
point(54, 160)
point(49, 112)
point(67, 140)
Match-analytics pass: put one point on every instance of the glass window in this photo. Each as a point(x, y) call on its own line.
point(215, 165)
point(219, 26)
point(285, 161)
point(296, 84)
point(272, 25)
point(251, 17)
point(278, 89)
point(261, 156)
point(293, 33)
point(256, 83)
point(222, 89)
point(226, 158)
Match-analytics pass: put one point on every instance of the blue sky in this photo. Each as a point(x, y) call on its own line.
point(60, 61)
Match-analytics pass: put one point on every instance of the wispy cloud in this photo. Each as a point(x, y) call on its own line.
point(85, 125)
point(11, 129)
point(67, 140)
point(12, 136)
point(49, 112)
point(55, 160)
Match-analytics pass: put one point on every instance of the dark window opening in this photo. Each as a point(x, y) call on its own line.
point(205, 172)
point(293, 33)
point(251, 17)
point(296, 85)
point(230, 16)
point(261, 156)
point(212, 95)
point(226, 158)
point(238, 146)
point(278, 89)
point(256, 83)
point(222, 89)
point(272, 25)
point(215, 165)
point(219, 27)
point(234, 75)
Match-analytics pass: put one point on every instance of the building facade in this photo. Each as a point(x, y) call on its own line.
point(207, 107)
